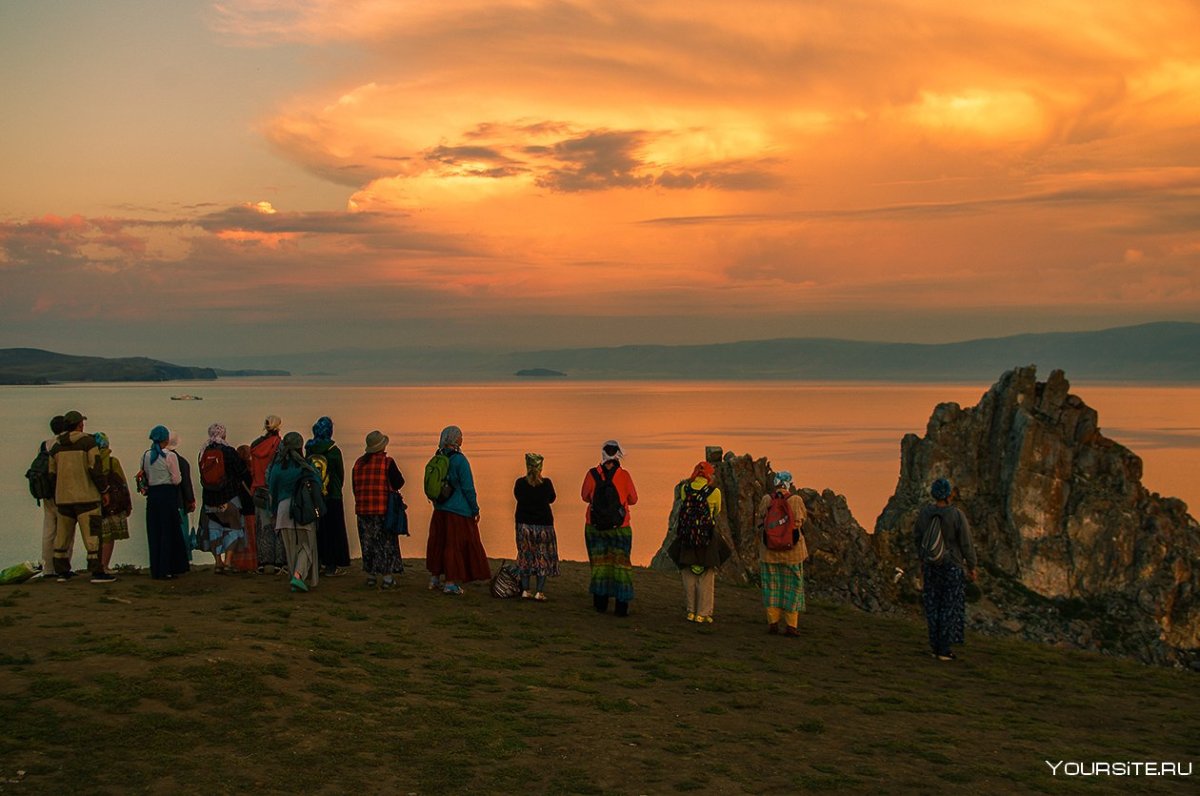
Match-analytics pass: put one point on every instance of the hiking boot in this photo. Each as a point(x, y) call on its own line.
point(103, 577)
point(791, 632)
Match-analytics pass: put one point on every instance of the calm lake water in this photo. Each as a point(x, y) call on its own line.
point(842, 436)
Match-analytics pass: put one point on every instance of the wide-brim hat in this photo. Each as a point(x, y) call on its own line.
point(376, 441)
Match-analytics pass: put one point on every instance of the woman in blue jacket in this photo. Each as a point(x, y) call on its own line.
point(454, 554)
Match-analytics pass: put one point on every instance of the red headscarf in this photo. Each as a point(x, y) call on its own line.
point(704, 470)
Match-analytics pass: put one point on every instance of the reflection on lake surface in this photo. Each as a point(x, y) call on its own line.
point(843, 436)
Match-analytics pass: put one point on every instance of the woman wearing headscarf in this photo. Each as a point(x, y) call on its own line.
point(300, 540)
point(943, 585)
point(244, 557)
point(781, 568)
point(609, 492)
point(116, 504)
point(168, 556)
point(537, 544)
point(698, 548)
point(333, 545)
point(223, 478)
point(373, 478)
point(454, 553)
point(272, 557)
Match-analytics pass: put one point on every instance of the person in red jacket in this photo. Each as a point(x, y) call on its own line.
point(609, 492)
point(272, 557)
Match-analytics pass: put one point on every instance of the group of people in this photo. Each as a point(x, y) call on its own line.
point(254, 517)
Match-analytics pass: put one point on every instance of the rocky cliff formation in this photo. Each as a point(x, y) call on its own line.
point(1074, 548)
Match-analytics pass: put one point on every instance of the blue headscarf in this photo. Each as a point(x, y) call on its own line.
point(782, 479)
point(941, 489)
point(322, 432)
point(158, 435)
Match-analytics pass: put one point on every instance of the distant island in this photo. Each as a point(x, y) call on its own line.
point(35, 366)
point(540, 373)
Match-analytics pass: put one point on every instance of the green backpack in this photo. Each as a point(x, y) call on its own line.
point(308, 506)
point(437, 478)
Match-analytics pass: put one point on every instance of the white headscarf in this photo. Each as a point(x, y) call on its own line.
point(606, 457)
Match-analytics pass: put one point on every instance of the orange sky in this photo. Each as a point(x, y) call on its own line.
point(529, 172)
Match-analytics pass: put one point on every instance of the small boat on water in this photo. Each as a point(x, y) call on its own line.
point(186, 397)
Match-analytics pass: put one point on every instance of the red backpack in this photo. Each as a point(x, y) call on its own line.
point(779, 527)
point(212, 467)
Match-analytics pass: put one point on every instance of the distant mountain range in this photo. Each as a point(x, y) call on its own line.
point(35, 366)
point(1154, 352)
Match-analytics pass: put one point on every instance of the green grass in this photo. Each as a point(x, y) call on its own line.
point(418, 693)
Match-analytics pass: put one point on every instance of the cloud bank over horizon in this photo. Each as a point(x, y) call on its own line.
point(509, 172)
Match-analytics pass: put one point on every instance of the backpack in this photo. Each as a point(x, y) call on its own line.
point(437, 478)
point(41, 482)
point(321, 464)
point(506, 583)
point(779, 527)
point(212, 467)
point(696, 524)
point(308, 506)
point(932, 546)
point(607, 511)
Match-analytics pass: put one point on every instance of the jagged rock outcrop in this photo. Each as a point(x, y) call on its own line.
point(842, 565)
point(1075, 549)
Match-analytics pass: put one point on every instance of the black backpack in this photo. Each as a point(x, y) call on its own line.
point(41, 482)
point(696, 525)
point(607, 511)
point(308, 504)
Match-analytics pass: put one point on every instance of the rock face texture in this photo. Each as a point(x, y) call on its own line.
point(843, 564)
point(1075, 549)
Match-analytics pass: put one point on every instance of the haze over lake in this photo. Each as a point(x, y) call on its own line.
point(841, 436)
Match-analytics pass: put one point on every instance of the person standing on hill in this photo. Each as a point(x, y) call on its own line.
point(454, 553)
point(781, 553)
point(49, 512)
point(244, 557)
point(943, 541)
point(164, 500)
point(222, 478)
point(609, 492)
point(116, 504)
point(187, 504)
point(272, 557)
point(537, 544)
point(75, 466)
point(373, 479)
point(299, 538)
point(698, 548)
point(323, 454)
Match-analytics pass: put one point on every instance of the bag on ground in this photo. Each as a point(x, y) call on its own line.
point(506, 582)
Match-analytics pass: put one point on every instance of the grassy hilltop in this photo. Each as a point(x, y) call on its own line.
point(231, 684)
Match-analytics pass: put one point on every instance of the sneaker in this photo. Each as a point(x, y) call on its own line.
point(540, 597)
point(698, 619)
point(526, 595)
point(103, 577)
point(63, 577)
point(388, 583)
point(691, 617)
point(946, 656)
point(434, 585)
point(704, 619)
point(338, 572)
point(453, 588)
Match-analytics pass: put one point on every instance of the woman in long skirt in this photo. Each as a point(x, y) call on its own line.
point(454, 553)
point(609, 492)
point(781, 569)
point(373, 478)
point(944, 581)
point(537, 544)
point(333, 543)
point(161, 467)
